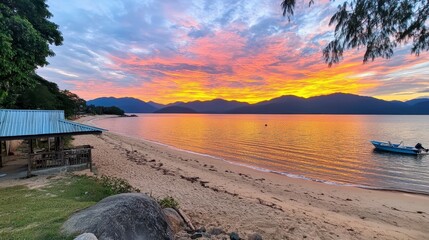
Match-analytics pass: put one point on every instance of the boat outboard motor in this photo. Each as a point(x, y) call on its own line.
point(421, 148)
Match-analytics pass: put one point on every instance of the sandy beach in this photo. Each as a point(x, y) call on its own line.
point(215, 193)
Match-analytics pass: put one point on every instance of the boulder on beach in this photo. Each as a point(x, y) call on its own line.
point(122, 216)
point(234, 236)
point(174, 219)
point(86, 236)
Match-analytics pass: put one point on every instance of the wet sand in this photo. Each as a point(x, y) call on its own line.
point(215, 193)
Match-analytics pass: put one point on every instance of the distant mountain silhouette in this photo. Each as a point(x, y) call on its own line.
point(290, 99)
point(129, 105)
point(212, 106)
point(420, 108)
point(156, 105)
point(337, 103)
point(175, 109)
point(417, 100)
point(175, 103)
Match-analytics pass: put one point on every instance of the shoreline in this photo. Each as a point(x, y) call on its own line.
point(215, 192)
point(261, 169)
point(265, 170)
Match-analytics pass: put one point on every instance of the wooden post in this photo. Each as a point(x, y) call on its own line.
point(31, 146)
point(29, 158)
point(6, 147)
point(57, 145)
point(1, 154)
point(61, 143)
point(90, 159)
point(61, 148)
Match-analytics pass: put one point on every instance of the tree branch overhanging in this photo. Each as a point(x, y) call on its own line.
point(378, 26)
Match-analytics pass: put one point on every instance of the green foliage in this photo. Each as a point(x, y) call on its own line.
point(39, 213)
point(115, 185)
point(99, 110)
point(168, 202)
point(25, 35)
point(47, 95)
point(71, 103)
point(38, 97)
point(378, 26)
point(68, 141)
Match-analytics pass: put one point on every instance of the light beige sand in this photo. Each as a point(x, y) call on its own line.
point(215, 193)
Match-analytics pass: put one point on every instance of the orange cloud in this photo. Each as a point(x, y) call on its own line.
point(223, 66)
point(241, 50)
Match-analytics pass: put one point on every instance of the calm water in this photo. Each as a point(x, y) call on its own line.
point(331, 148)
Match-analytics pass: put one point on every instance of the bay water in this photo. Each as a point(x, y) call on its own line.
point(334, 149)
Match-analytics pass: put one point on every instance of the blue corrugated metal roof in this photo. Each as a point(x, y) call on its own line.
point(19, 123)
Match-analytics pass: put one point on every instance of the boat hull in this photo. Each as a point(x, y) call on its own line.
point(396, 148)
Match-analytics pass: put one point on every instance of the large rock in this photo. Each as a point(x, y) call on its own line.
point(176, 221)
point(255, 236)
point(234, 236)
point(86, 236)
point(124, 216)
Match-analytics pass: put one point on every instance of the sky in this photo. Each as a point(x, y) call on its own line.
point(186, 50)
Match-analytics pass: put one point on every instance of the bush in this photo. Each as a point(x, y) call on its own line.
point(116, 185)
point(104, 110)
point(168, 202)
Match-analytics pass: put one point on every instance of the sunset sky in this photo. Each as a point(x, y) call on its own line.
point(245, 50)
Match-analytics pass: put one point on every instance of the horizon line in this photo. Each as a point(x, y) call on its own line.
point(422, 97)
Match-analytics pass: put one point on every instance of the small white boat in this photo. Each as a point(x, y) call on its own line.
point(397, 148)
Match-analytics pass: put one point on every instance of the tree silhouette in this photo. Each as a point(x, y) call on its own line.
point(25, 37)
point(377, 25)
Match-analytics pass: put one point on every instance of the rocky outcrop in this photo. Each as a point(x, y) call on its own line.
point(234, 236)
point(124, 216)
point(86, 236)
point(176, 222)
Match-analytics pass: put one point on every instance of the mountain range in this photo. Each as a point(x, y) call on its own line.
point(337, 103)
point(128, 104)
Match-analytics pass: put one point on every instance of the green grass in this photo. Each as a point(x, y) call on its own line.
point(168, 202)
point(39, 213)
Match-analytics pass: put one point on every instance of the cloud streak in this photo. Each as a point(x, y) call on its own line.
point(200, 50)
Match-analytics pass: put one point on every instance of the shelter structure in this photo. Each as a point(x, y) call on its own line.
point(47, 128)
